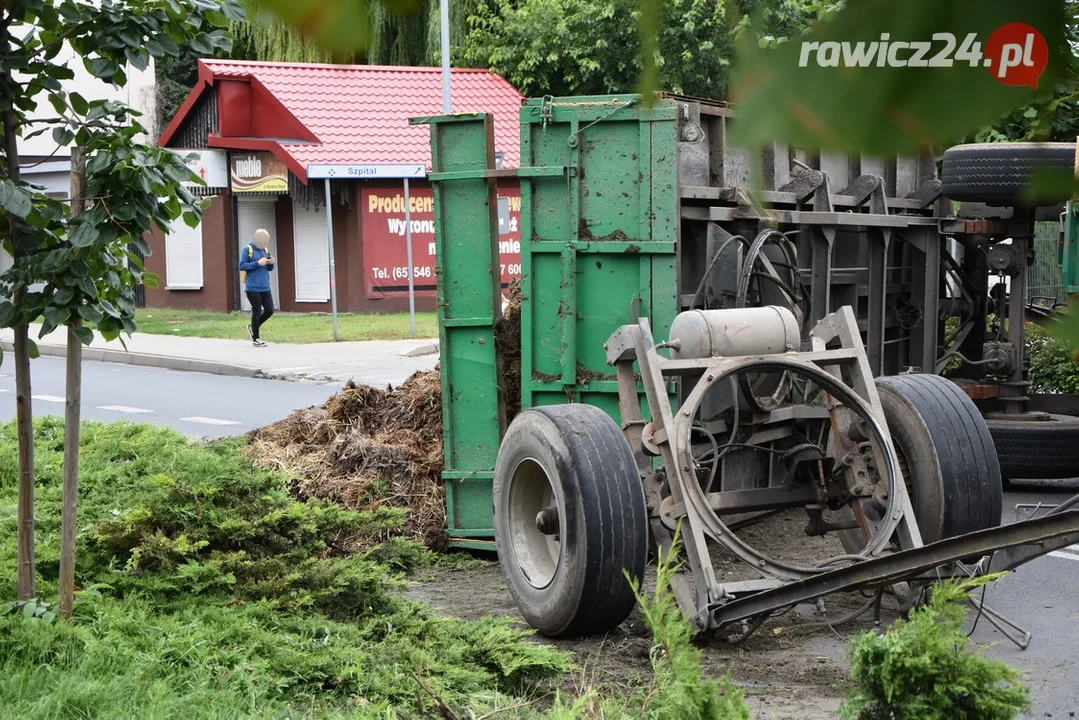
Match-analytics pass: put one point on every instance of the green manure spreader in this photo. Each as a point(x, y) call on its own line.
point(737, 354)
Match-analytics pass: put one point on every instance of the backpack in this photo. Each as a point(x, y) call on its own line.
point(250, 254)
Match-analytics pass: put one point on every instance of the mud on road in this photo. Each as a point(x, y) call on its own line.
point(793, 667)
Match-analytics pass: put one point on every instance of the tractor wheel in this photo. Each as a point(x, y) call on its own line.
point(1037, 450)
point(999, 173)
point(569, 519)
point(946, 452)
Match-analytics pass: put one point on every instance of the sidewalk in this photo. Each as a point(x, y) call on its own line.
point(376, 362)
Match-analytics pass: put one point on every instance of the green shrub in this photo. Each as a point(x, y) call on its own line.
point(921, 668)
point(227, 598)
point(1053, 367)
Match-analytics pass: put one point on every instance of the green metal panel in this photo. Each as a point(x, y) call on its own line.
point(469, 300)
point(600, 238)
point(1069, 259)
point(599, 212)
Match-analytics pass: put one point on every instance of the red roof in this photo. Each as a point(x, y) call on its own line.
point(360, 113)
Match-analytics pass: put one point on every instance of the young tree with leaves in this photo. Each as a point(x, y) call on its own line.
point(76, 269)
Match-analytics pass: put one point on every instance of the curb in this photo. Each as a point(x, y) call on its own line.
point(145, 359)
point(421, 351)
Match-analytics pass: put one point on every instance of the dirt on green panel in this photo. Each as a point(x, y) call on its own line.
point(508, 346)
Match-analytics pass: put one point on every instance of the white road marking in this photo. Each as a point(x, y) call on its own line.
point(49, 398)
point(124, 409)
point(209, 421)
point(3, 390)
point(1064, 555)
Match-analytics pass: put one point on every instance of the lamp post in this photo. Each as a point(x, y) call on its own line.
point(445, 10)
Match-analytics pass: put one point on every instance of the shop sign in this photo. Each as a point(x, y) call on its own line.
point(258, 172)
point(385, 256)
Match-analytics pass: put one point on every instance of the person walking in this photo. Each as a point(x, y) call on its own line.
point(256, 263)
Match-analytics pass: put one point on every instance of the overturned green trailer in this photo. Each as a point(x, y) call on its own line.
point(700, 333)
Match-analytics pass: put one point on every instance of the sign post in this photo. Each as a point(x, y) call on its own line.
point(333, 263)
point(408, 251)
point(366, 172)
point(444, 11)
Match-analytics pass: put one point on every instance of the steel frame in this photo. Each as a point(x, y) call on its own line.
point(677, 502)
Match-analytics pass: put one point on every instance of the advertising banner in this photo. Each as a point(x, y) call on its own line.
point(258, 172)
point(385, 271)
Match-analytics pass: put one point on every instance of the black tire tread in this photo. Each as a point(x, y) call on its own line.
point(616, 524)
point(999, 172)
point(1047, 450)
point(973, 489)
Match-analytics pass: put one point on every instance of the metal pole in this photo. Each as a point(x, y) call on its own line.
point(333, 263)
point(445, 9)
point(408, 250)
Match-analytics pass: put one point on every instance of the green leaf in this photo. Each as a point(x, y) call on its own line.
point(32, 349)
point(88, 287)
point(785, 95)
point(58, 104)
point(109, 308)
point(216, 18)
point(63, 296)
point(57, 315)
point(85, 235)
point(102, 68)
point(85, 334)
point(79, 103)
point(49, 617)
point(192, 219)
point(62, 136)
point(7, 313)
point(91, 313)
point(234, 10)
point(14, 199)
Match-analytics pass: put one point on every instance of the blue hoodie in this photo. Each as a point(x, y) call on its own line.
point(258, 276)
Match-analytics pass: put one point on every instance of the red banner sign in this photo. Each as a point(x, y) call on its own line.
point(385, 258)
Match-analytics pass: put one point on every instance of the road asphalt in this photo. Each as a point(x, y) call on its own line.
point(196, 404)
point(1043, 595)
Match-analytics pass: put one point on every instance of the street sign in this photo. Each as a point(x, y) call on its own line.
point(364, 172)
point(210, 165)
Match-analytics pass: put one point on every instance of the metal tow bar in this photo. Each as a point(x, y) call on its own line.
point(1008, 547)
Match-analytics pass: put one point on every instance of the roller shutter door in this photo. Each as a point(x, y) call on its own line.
point(312, 254)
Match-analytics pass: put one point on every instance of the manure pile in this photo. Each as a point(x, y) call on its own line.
point(367, 447)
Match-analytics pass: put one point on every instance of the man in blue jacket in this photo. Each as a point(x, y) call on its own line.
point(256, 262)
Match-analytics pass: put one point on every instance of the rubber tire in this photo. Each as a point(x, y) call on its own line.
point(1042, 450)
point(605, 527)
point(950, 454)
point(999, 173)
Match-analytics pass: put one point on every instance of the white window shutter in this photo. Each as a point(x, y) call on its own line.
point(183, 256)
point(312, 254)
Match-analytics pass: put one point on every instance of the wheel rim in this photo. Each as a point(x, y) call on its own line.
point(531, 493)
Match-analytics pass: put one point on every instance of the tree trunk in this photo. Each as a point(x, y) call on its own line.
point(27, 575)
point(72, 419)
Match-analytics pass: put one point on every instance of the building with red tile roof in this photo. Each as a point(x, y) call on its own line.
point(256, 128)
point(342, 113)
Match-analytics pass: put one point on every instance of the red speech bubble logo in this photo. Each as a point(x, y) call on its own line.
point(1016, 54)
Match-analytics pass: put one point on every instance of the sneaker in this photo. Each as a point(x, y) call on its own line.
point(251, 333)
point(258, 343)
